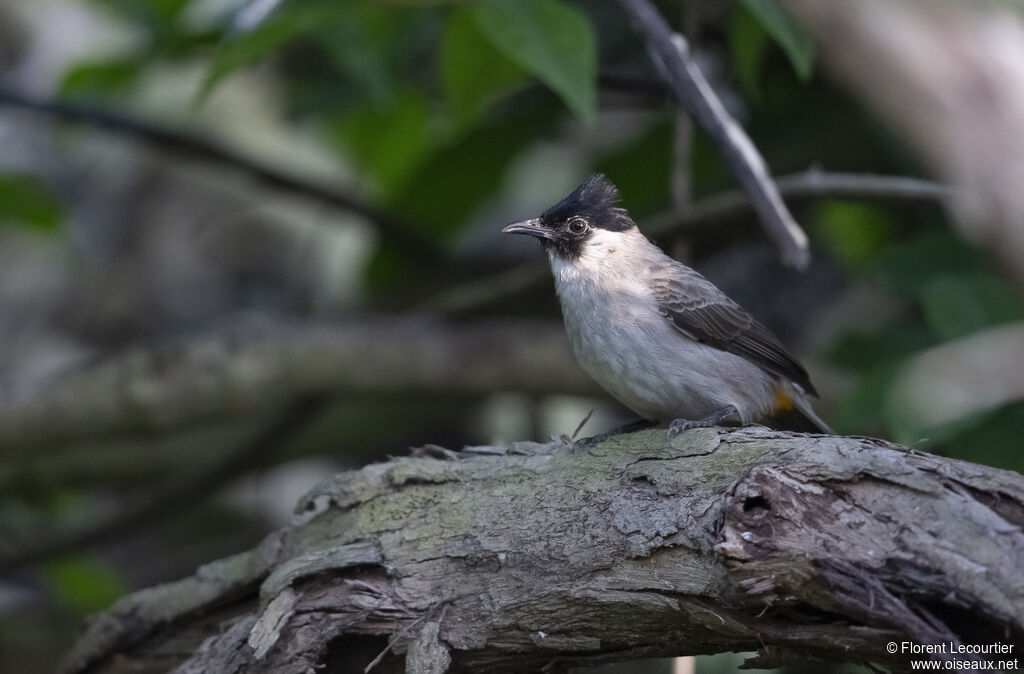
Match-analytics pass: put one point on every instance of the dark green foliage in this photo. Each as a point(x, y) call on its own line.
point(946, 290)
point(25, 201)
point(102, 76)
point(474, 73)
point(641, 168)
point(784, 30)
point(955, 305)
point(460, 175)
point(854, 233)
point(551, 40)
point(83, 585)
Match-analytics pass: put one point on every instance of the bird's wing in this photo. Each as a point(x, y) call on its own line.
point(703, 313)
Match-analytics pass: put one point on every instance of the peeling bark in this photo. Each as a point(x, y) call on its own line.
point(554, 555)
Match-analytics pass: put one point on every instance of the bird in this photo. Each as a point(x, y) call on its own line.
point(655, 334)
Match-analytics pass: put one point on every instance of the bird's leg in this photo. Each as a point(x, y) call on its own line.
point(637, 425)
point(728, 413)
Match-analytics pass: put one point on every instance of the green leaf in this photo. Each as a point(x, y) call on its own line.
point(365, 42)
point(388, 142)
point(955, 306)
point(910, 266)
point(550, 40)
point(103, 76)
point(748, 42)
point(860, 351)
point(149, 12)
point(168, 9)
point(991, 438)
point(24, 200)
point(473, 73)
point(83, 585)
point(853, 232)
point(862, 408)
point(786, 32)
point(459, 177)
point(247, 48)
point(638, 168)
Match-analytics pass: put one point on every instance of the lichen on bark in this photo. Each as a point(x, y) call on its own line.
point(556, 555)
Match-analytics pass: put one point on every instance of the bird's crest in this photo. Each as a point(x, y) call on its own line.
point(596, 199)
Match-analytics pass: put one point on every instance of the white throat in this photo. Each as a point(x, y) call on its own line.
point(606, 258)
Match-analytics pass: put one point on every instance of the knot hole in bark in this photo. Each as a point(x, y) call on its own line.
point(758, 502)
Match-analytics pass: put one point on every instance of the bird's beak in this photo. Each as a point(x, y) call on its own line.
point(529, 227)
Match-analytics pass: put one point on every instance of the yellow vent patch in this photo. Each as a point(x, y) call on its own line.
point(783, 403)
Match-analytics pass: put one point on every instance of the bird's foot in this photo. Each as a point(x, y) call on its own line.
point(637, 425)
point(728, 413)
point(434, 452)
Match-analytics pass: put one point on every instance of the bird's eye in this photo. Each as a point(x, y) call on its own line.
point(577, 225)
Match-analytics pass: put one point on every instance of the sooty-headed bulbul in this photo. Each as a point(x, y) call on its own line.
point(658, 336)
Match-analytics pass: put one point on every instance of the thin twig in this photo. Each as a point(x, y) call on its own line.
point(813, 183)
point(482, 291)
point(711, 213)
point(671, 55)
point(398, 233)
point(179, 495)
point(583, 422)
point(391, 643)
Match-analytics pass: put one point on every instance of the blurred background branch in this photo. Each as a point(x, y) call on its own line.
point(153, 390)
point(958, 380)
point(181, 492)
point(671, 54)
point(946, 78)
point(402, 235)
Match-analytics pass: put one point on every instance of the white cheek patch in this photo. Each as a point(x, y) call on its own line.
point(601, 245)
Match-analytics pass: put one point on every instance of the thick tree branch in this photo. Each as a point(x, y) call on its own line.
point(554, 555)
point(670, 53)
point(400, 234)
point(148, 389)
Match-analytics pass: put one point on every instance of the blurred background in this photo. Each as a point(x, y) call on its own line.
point(247, 243)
